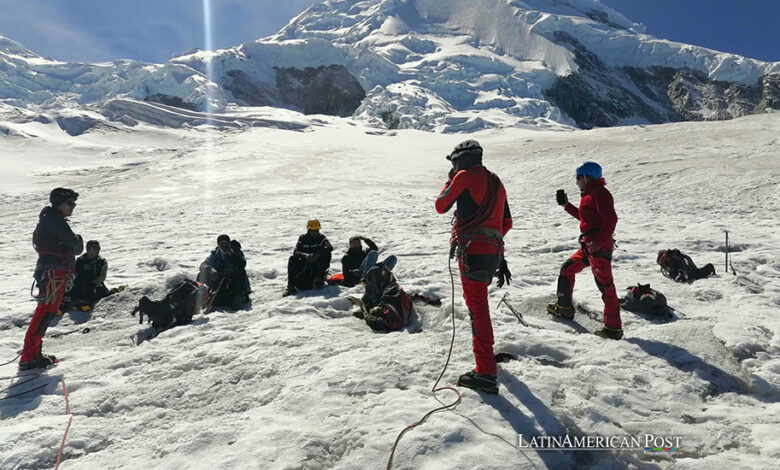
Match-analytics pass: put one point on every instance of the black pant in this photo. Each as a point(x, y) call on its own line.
point(302, 274)
point(87, 292)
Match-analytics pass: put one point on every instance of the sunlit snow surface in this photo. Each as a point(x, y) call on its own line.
point(300, 383)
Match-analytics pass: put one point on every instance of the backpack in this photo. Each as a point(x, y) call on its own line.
point(681, 268)
point(177, 308)
point(642, 299)
point(388, 306)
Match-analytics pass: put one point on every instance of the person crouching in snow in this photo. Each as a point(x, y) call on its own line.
point(57, 247)
point(597, 225)
point(482, 219)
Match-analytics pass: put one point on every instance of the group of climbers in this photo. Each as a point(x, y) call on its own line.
point(482, 220)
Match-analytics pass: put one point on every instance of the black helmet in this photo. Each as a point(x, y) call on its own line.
point(59, 195)
point(466, 148)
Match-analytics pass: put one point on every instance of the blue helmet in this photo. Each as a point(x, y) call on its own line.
point(591, 169)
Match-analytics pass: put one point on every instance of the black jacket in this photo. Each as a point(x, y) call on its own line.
point(55, 242)
point(312, 245)
point(352, 260)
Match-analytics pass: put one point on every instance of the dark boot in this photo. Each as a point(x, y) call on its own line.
point(561, 311)
point(43, 361)
point(610, 333)
point(480, 382)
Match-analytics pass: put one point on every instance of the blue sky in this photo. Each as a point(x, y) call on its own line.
point(155, 30)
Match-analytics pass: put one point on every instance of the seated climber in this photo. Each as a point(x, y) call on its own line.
point(351, 261)
point(308, 266)
point(89, 285)
point(224, 272)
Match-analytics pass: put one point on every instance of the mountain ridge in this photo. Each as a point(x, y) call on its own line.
point(437, 65)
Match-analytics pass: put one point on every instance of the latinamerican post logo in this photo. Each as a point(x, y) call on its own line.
point(649, 443)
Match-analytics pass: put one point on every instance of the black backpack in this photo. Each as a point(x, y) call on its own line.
point(681, 268)
point(177, 308)
point(642, 299)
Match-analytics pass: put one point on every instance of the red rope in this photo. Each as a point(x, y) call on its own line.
point(64, 436)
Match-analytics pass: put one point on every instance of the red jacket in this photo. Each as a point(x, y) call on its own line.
point(468, 188)
point(596, 215)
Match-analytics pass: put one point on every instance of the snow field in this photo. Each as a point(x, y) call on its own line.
point(300, 383)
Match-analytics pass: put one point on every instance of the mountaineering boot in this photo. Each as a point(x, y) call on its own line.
point(561, 311)
point(481, 382)
point(609, 333)
point(289, 291)
point(43, 361)
point(318, 283)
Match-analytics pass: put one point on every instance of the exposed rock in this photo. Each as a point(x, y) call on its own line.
point(328, 90)
point(244, 90)
point(770, 92)
point(596, 95)
point(391, 120)
point(698, 99)
point(600, 96)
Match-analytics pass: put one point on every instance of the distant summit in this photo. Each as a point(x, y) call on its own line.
point(439, 65)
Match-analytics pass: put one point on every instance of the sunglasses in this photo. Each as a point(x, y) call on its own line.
point(579, 177)
point(70, 203)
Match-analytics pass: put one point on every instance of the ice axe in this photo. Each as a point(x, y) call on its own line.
point(728, 262)
point(207, 306)
point(511, 308)
point(82, 330)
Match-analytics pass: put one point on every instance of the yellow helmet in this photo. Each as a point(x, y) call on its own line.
point(313, 224)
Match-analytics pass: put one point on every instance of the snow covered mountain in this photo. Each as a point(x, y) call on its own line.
point(444, 65)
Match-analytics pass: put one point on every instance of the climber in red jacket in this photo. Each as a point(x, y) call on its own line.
point(481, 221)
point(597, 225)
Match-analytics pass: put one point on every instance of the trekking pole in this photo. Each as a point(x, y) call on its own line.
point(726, 269)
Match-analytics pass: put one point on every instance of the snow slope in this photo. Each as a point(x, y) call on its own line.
point(440, 65)
point(300, 383)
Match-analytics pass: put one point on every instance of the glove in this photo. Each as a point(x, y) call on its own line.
point(452, 173)
point(561, 197)
point(503, 274)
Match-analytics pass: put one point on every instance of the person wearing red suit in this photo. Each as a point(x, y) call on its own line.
point(597, 217)
point(482, 219)
point(57, 247)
